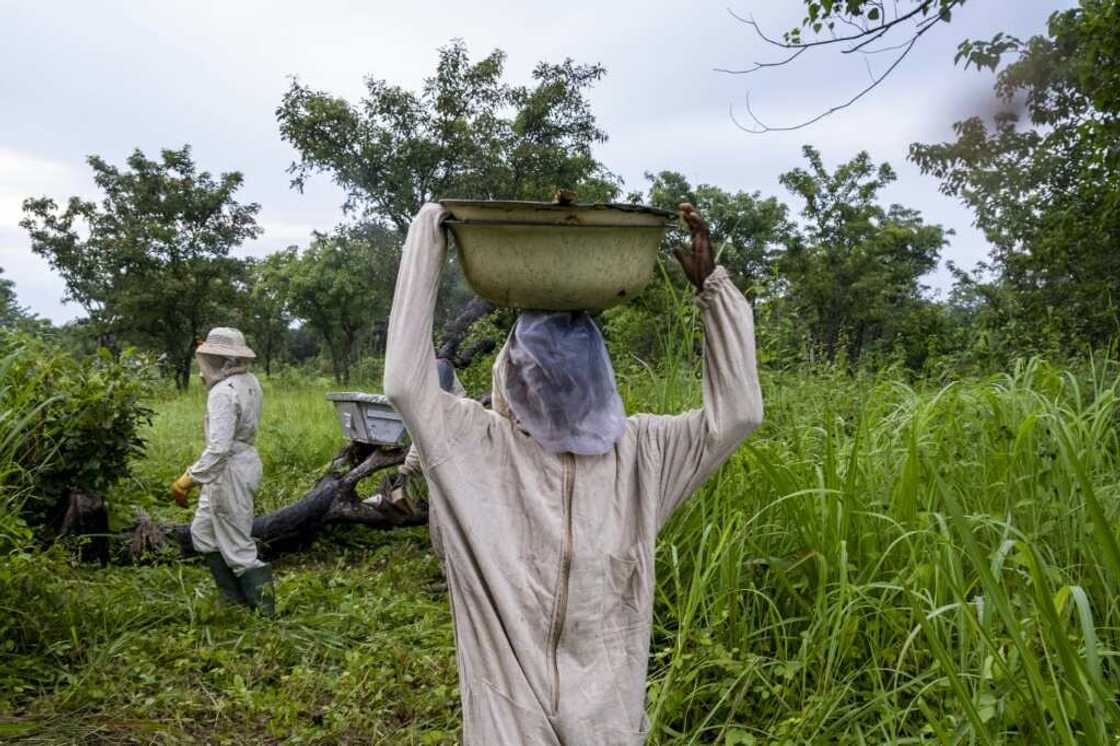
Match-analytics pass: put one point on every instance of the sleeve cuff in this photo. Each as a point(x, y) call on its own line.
point(715, 281)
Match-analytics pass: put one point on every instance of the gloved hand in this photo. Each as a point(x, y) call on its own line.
point(180, 488)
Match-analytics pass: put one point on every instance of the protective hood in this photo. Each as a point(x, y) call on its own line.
point(553, 379)
point(215, 368)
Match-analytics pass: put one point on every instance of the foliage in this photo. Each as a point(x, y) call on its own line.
point(747, 229)
point(467, 133)
point(263, 312)
point(150, 263)
point(881, 562)
point(635, 331)
point(866, 16)
point(362, 652)
point(342, 287)
point(1046, 195)
point(845, 281)
point(67, 423)
point(9, 308)
point(931, 563)
point(15, 316)
point(851, 272)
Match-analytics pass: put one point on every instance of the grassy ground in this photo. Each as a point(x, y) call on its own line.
point(881, 563)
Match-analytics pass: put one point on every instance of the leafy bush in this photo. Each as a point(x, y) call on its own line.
point(66, 423)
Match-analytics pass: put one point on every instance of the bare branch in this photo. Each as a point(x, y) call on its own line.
point(874, 84)
point(760, 65)
point(380, 458)
point(874, 37)
point(864, 37)
point(853, 24)
point(883, 50)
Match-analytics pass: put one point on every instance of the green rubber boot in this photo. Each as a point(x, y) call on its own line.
point(256, 586)
point(224, 577)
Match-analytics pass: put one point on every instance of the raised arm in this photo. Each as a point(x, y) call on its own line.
point(693, 445)
point(411, 381)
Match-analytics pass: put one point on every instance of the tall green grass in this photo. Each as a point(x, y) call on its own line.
point(885, 563)
point(20, 413)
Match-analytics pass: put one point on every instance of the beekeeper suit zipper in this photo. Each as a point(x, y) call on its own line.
point(560, 610)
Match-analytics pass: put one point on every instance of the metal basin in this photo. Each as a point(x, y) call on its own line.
point(551, 257)
point(369, 418)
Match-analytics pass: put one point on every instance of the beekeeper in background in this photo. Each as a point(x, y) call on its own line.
point(229, 471)
point(547, 507)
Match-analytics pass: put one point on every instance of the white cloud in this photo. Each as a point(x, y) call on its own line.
point(25, 175)
point(111, 76)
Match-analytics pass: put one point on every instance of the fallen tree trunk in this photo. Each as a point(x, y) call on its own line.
point(333, 500)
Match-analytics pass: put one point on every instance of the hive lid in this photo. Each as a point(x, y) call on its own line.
point(358, 396)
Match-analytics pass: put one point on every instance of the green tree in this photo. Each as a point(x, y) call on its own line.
point(747, 229)
point(466, 133)
point(1047, 195)
point(10, 310)
point(263, 305)
point(150, 262)
point(342, 285)
point(15, 316)
point(852, 271)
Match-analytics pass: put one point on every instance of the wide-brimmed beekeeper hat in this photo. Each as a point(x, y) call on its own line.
point(226, 341)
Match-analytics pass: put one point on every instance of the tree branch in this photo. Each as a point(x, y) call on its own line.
point(861, 39)
point(763, 128)
point(885, 26)
point(761, 65)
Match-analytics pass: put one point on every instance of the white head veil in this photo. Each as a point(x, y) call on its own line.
point(556, 382)
point(215, 368)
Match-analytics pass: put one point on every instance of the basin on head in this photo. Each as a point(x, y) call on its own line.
point(556, 257)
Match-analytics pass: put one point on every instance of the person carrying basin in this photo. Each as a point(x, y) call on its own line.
point(548, 505)
point(229, 471)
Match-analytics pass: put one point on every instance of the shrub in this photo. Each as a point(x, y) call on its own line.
point(67, 423)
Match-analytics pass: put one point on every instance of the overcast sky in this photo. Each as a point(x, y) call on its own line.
point(105, 77)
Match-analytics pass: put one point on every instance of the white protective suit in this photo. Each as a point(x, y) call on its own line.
point(229, 471)
point(549, 557)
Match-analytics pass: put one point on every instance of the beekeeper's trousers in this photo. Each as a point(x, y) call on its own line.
point(223, 521)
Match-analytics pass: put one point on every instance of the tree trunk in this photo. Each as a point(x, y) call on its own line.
point(183, 375)
point(87, 519)
point(333, 500)
point(456, 331)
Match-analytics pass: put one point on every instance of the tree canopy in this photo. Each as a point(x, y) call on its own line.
point(149, 262)
point(746, 227)
point(466, 133)
point(853, 269)
point(341, 286)
point(1046, 191)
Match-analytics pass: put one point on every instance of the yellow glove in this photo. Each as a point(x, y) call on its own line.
point(180, 488)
